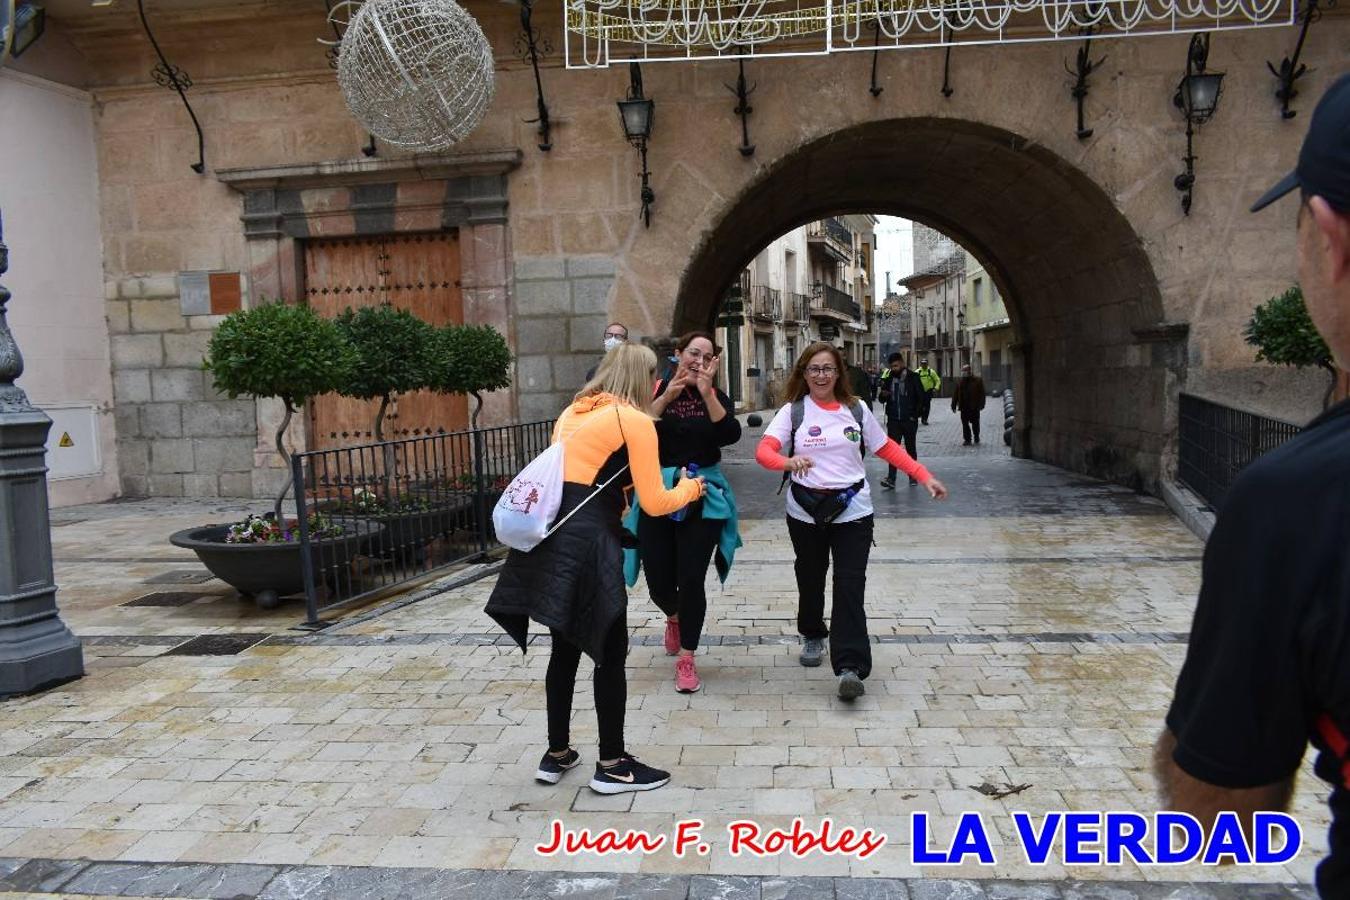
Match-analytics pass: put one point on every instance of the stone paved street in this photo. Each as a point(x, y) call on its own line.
point(1028, 635)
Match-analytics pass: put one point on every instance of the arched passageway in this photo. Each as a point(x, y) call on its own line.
point(1096, 363)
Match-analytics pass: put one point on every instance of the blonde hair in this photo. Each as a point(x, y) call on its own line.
point(628, 372)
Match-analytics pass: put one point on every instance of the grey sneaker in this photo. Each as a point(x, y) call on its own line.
point(812, 651)
point(850, 685)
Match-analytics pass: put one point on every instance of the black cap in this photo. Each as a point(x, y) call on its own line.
point(1324, 162)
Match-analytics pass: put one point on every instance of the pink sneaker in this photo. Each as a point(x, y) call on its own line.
point(686, 676)
point(672, 637)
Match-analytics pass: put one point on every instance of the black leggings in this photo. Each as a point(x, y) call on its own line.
point(611, 690)
point(850, 544)
point(675, 557)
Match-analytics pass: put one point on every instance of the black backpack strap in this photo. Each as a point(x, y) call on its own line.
point(862, 432)
point(798, 414)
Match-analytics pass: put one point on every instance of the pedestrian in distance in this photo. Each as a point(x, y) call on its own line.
point(694, 423)
point(572, 582)
point(819, 439)
point(1266, 669)
point(902, 396)
point(616, 333)
point(932, 383)
point(968, 399)
point(860, 384)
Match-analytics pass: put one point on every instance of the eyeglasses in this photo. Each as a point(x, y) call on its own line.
point(621, 335)
point(700, 357)
point(820, 370)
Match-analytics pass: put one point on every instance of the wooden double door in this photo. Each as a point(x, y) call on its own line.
point(416, 272)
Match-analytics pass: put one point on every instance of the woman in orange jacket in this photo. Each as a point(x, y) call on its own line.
point(573, 582)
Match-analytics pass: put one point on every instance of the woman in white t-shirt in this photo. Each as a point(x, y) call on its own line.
point(829, 505)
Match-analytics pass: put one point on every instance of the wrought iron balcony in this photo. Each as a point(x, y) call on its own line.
point(766, 303)
point(797, 307)
point(833, 238)
point(832, 303)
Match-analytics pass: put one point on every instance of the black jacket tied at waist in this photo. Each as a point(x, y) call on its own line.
point(573, 581)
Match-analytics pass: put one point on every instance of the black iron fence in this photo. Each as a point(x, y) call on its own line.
point(374, 516)
point(1217, 442)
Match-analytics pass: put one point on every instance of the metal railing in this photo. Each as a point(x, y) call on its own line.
point(834, 300)
point(766, 303)
point(797, 307)
point(375, 516)
point(834, 236)
point(1217, 442)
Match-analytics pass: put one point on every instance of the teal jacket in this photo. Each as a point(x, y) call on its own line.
point(718, 503)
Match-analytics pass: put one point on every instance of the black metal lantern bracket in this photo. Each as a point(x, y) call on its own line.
point(333, 52)
point(635, 115)
point(1290, 69)
point(166, 74)
point(743, 108)
point(1197, 97)
point(532, 45)
point(1084, 66)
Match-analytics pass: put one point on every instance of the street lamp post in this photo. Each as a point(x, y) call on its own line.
point(37, 650)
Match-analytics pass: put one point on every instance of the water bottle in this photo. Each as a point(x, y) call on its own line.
point(847, 497)
point(679, 514)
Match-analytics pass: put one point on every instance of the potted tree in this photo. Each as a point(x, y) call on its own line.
point(288, 352)
point(392, 350)
point(1283, 333)
point(472, 360)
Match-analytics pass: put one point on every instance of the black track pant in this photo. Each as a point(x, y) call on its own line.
point(970, 425)
point(611, 690)
point(849, 544)
point(905, 433)
point(675, 557)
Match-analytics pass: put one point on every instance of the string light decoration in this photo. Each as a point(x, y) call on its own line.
point(603, 32)
point(417, 74)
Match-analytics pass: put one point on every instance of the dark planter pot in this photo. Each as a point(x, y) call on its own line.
point(407, 533)
point(265, 572)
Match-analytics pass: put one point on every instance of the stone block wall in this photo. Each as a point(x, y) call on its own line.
point(176, 437)
point(562, 308)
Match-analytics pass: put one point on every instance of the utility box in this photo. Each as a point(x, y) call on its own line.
point(72, 443)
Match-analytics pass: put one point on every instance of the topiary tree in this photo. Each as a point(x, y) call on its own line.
point(470, 359)
point(392, 348)
point(1283, 333)
point(278, 350)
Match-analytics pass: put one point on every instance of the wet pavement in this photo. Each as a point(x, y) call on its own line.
point(1027, 635)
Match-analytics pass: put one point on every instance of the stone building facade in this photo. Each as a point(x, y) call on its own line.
point(1105, 280)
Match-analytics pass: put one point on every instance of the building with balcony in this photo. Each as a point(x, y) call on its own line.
point(939, 333)
point(812, 283)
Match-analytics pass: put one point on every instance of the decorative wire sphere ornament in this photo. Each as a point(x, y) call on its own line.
point(416, 73)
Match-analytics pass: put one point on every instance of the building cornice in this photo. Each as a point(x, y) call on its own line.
point(443, 166)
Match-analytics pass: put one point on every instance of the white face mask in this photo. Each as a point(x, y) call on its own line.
point(611, 343)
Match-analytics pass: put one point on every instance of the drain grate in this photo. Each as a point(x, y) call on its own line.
point(216, 645)
point(169, 598)
point(180, 576)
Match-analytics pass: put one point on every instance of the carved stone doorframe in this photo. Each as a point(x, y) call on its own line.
point(286, 205)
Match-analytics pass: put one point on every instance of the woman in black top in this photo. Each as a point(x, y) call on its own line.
point(695, 421)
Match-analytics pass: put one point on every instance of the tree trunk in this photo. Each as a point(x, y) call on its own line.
point(379, 418)
point(477, 408)
point(286, 458)
point(1331, 388)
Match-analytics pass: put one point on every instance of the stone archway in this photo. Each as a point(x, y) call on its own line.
point(1097, 365)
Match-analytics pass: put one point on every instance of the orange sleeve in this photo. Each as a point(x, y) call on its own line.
point(644, 463)
point(769, 454)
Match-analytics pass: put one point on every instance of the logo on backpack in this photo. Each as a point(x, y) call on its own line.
point(521, 496)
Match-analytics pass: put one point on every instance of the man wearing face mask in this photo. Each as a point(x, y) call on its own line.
point(616, 333)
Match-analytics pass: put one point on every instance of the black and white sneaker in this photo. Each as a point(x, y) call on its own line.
point(552, 768)
point(627, 775)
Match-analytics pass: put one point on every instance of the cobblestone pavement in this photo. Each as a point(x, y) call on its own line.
point(1028, 634)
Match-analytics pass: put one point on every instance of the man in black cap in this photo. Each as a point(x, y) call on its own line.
point(1268, 666)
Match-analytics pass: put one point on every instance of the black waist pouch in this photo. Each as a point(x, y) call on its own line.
point(823, 506)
